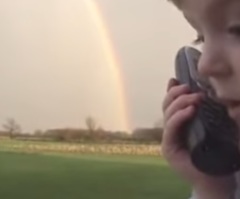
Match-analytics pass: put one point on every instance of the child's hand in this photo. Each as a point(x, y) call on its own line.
point(178, 107)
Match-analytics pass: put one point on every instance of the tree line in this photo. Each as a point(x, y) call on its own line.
point(92, 133)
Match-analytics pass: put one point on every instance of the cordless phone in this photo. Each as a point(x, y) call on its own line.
point(211, 136)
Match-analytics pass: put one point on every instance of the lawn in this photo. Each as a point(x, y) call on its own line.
point(42, 176)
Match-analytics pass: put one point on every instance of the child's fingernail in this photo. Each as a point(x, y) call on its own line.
point(172, 82)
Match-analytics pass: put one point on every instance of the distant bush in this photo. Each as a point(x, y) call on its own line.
point(148, 134)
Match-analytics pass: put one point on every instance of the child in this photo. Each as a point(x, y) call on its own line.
point(217, 23)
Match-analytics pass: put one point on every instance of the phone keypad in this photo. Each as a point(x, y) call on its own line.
point(215, 119)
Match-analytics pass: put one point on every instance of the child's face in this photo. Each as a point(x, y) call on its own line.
point(217, 23)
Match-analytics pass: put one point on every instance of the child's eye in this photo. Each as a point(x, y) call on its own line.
point(234, 30)
point(198, 40)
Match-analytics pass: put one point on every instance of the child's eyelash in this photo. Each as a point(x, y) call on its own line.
point(198, 40)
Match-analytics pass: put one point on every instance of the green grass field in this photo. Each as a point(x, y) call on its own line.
point(39, 176)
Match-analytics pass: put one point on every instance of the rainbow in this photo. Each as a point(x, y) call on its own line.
point(112, 61)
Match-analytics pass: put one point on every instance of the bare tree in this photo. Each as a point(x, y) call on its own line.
point(91, 125)
point(12, 127)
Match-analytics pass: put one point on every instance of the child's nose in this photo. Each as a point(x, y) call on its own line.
point(213, 63)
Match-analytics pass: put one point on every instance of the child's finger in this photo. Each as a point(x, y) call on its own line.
point(173, 93)
point(182, 102)
point(170, 136)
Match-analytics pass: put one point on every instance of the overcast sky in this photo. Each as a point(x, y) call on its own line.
point(52, 72)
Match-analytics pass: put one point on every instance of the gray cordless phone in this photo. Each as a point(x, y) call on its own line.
point(211, 136)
